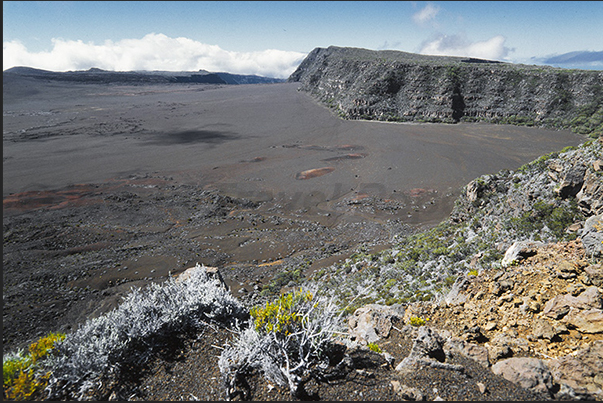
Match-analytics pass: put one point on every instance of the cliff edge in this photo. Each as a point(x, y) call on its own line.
point(399, 86)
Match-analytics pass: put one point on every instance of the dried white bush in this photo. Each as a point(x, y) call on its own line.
point(129, 334)
point(285, 359)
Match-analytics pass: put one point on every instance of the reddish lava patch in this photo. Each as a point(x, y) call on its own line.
point(418, 192)
point(313, 173)
point(75, 195)
point(71, 196)
point(351, 156)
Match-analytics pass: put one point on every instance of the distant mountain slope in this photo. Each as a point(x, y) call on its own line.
point(399, 86)
point(95, 75)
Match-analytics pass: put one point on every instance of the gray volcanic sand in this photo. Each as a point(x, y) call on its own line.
point(211, 136)
point(111, 186)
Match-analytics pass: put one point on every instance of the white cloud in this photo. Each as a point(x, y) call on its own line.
point(457, 45)
point(426, 14)
point(152, 52)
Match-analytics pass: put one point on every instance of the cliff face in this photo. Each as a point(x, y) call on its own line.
point(400, 86)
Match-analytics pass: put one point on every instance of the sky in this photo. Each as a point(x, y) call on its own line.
point(271, 38)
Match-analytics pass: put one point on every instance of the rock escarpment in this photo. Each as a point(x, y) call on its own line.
point(532, 324)
point(400, 86)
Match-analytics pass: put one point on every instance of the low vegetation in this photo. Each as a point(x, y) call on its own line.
point(129, 336)
point(22, 374)
point(288, 340)
point(423, 266)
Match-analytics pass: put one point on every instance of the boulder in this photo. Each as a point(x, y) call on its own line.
point(529, 373)
point(212, 272)
point(561, 305)
point(585, 321)
point(571, 181)
point(582, 371)
point(473, 351)
point(594, 274)
point(590, 197)
point(519, 251)
point(406, 392)
point(457, 295)
point(542, 329)
point(427, 350)
point(592, 236)
point(373, 322)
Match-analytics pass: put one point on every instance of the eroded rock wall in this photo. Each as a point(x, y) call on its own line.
point(400, 86)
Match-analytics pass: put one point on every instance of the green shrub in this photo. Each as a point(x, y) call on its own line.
point(416, 321)
point(288, 340)
point(20, 373)
point(280, 316)
point(374, 347)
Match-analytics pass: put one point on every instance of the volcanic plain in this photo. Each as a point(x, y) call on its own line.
point(109, 186)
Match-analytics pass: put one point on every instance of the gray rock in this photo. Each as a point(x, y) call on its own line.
point(473, 351)
point(406, 392)
point(585, 321)
point(503, 345)
point(594, 274)
point(529, 373)
point(571, 181)
point(542, 329)
point(212, 272)
point(557, 307)
point(592, 236)
point(519, 251)
point(457, 295)
point(560, 305)
point(581, 371)
point(427, 350)
point(590, 197)
point(373, 322)
point(566, 269)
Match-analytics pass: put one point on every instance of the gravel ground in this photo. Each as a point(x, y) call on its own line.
point(193, 375)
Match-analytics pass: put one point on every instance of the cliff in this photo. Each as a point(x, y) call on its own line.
point(399, 86)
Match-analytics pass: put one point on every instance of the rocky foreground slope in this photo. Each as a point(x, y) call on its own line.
point(518, 314)
point(399, 86)
point(523, 324)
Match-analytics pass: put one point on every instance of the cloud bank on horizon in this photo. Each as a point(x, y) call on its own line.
point(152, 52)
point(157, 51)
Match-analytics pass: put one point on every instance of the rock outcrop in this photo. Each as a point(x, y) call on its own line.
point(527, 323)
point(400, 86)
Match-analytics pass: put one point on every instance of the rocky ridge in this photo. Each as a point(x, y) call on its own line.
point(399, 86)
point(492, 213)
point(538, 324)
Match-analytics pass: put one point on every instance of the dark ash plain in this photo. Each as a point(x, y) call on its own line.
point(109, 186)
